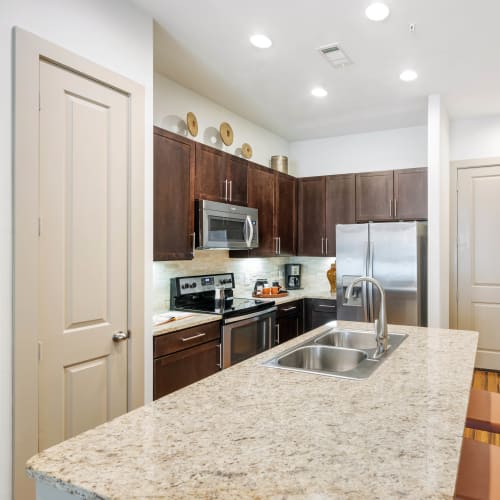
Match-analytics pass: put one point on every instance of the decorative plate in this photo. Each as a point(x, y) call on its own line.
point(246, 151)
point(192, 124)
point(226, 133)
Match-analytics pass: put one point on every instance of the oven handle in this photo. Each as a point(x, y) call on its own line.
point(261, 313)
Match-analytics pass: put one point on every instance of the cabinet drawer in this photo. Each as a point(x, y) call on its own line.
point(289, 308)
point(183, 368)
point(182, 339)
point(324, 305)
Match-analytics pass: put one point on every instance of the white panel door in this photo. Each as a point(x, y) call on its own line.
point(479, 260)
point(84, 156)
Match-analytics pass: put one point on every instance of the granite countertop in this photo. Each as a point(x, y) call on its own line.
point(252, 431)
point(194, 319)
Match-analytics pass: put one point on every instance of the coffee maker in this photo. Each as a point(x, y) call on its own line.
point(292, 276)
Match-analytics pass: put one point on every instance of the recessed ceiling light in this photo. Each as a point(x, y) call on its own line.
point(377, 11)
point(319, 92)
point(408, 75)
point(261, 41)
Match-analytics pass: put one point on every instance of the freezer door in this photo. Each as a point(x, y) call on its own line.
point(352, 260)
point(394, 261)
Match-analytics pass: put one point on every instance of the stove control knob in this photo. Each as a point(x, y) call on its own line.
point(193, 285)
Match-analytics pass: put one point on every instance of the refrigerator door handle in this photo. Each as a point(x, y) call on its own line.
point(365, 284)
point(370, 286)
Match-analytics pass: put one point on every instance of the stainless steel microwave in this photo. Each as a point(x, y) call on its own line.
point(225, 226)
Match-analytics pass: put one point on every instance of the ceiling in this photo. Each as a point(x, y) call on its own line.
point(203, 45)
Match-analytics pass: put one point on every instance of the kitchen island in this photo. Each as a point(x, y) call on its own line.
point(252, 431)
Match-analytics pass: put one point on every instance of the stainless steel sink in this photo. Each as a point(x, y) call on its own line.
point(336, 353)
point(320, 358)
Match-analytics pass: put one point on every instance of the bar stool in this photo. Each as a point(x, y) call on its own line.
point(483, 412)
point(478, 472)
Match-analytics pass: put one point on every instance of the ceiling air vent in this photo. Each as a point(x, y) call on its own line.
point(335, 55)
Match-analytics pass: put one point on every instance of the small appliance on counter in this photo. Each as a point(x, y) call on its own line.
point(292, 276)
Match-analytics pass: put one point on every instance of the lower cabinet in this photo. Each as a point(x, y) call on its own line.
point(318, 312)
point(184, 357)
point(289, 321)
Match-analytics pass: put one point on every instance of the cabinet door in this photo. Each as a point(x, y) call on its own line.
point(410, 194)
point(174, 161)
point(374, 196)
point(211, 181)
point(261, 196)
point(286, 213)
point(340, 199)
point(311, 219)
point(287, 328)
point(237, 178)
point(177, 370)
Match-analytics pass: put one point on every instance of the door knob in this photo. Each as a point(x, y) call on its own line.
point(120, 335)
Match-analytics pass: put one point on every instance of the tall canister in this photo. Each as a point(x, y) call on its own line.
point(280, 163)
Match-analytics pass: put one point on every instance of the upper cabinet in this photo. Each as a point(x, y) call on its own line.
point(374, 196)
point(324, 202)
point(220, 176)
point(391, 195)
point(311, 216)
point(410, 194)
point(285, 214)
point(174, 163)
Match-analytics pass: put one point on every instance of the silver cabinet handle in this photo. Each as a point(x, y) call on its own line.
point(390, 208)
point(322, 242)
point(187, 339)
point(120, 335)
point(277, 333)
point(289, 309)
point(194, 242)
point(327, 307)
point(326, 246)
point(279, 245)
point(219, 364)
point(230, 190)
point(225, 187)
point(276, 245)
point(395, 207)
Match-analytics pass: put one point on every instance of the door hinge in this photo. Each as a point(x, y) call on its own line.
point(39, 351)
point(39, 102)
point(39, 226)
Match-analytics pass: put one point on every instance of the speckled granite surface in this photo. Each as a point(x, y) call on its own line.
point(179, 324)
point(255, 432)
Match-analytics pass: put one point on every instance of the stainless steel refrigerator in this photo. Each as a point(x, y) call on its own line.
point(395, 253)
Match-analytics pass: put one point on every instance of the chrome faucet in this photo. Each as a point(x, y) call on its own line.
point(380, 323)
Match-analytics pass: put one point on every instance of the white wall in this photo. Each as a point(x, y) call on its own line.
point(439, 213)
point(475, 138)
point(172, 102)
point(382, 150)
point(111, 33)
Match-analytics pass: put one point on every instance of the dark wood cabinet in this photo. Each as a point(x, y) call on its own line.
point(174, 164)
point(210, 174)
point(311, 216)
point(261, 196)
point(286, 213)
point(392, 195)
point(324, 202)
point(340, 207)
point(237, 171)
point(289, 320)
point(410, 194)
point(318, 312)
point(184, 357)
point(374, 196)
point(220, 176)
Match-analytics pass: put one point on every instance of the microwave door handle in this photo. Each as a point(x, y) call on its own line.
point(248, 224)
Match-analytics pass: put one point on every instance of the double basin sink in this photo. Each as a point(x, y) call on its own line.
point(337, 353)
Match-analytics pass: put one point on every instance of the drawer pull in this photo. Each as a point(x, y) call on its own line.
point(187, 339)
point(286, 309)
point(327, 307)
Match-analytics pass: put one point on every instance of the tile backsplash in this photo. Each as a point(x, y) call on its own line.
point(246, 272)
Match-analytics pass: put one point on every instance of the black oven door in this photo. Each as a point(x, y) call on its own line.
point(246, 336)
